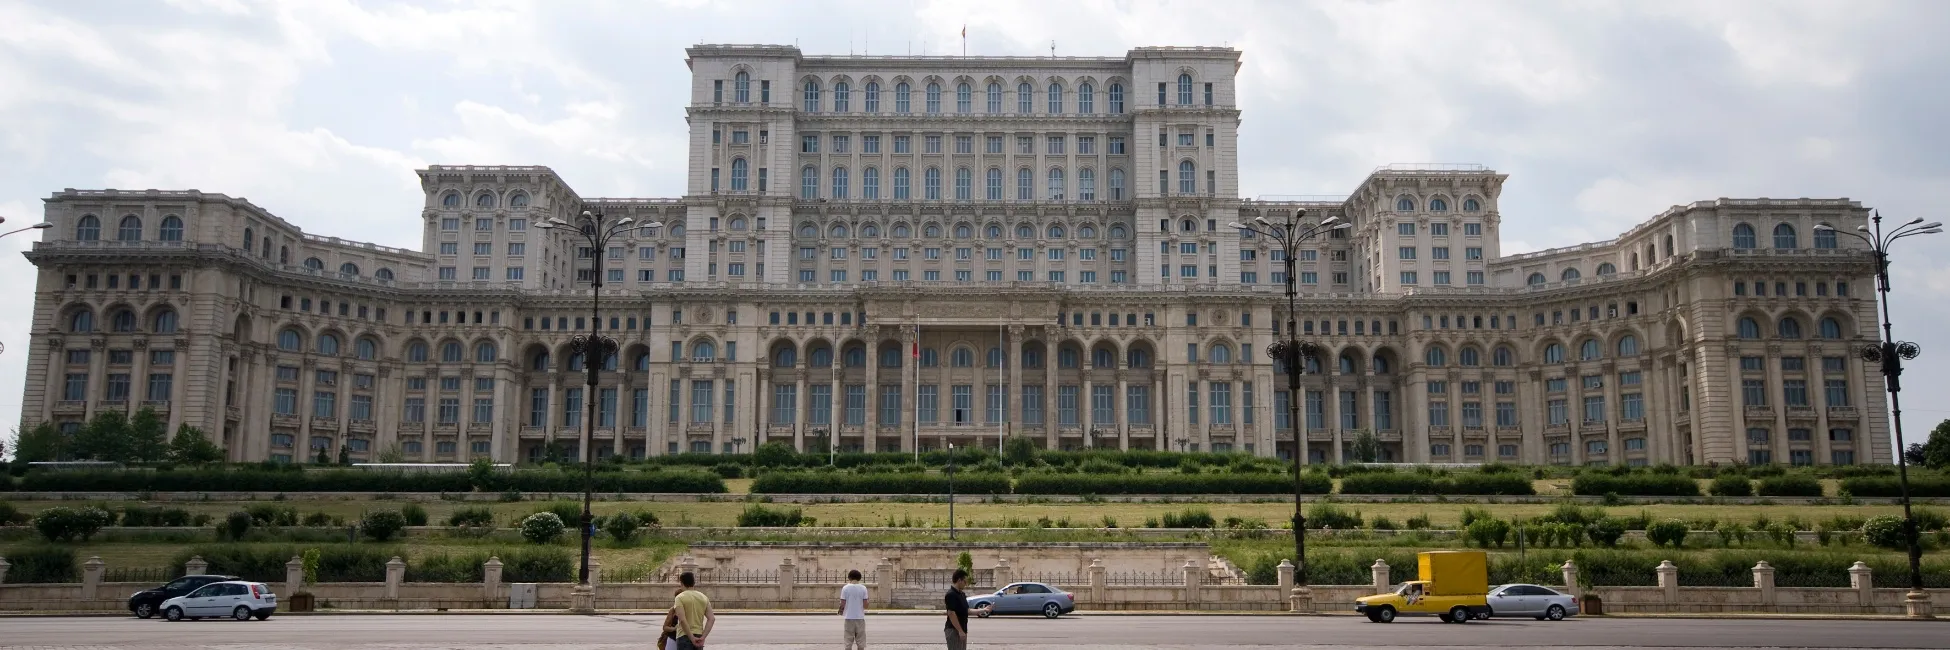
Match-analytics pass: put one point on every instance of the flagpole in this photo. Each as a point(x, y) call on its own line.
point(916, 362)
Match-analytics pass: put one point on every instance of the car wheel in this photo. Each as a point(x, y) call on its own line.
point(1052, 611)
point(1385, 615)
point(1460, 614)
point(1555, 613)
point(145, 610)
point(173, 614)
point(1485, 614)
point(983, 612)
point(1374, 616)
point(242, 613)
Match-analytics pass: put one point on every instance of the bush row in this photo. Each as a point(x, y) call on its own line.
point(367, 563)
point(890, 483)
point(1080, 484)
point(1887, 486)
point(1421, 483)
point(1650, 484)
point(259, 480)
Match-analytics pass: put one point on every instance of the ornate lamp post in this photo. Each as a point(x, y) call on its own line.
point(1891, 353)
point(1289, 235)
point(595, 349)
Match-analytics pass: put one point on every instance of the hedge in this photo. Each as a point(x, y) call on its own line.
point(1888, 486)
point(45, 564)
point(1255, 483)
point(1790, 485)
point(877, 483)
point(1421, 483)
point(259, 480)
point(265, 563)
point(522, 564)
point(1643, 485)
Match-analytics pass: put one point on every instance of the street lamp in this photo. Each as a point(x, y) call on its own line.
point(832, 452)
point(951, 491)
point(1890, 353)
point(595, 349)
point(39, 226)
point(1290, 235)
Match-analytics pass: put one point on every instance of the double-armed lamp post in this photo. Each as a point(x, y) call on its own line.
point(1289, 235)
point(595, 349)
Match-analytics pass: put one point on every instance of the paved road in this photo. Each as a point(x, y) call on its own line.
point(1102, 632)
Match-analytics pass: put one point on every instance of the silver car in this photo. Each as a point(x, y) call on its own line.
point(1024, 598)
point(1536, 602)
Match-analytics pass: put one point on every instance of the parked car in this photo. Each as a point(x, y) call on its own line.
point(148, 602)
point(1024, 598)
point(237, 599)
point(1534, 601)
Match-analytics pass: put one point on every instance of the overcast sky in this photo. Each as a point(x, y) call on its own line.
point(1602, 113)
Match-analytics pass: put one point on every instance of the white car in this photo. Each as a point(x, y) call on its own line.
point(236, 599)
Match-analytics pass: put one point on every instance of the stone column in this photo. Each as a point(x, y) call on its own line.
point(801, 409)
point(1193, 576)
point(491, 580)
point(1003, 575)
point(1052, 413)
point(1099, 582)
point(595, 572)
point(1916, 604)
point(870, 434)
point(395, 574)
point(1764, 581)
point(1380, 574)
point(91, 577)
point(788, 583)
point(1860, 578)
point(294, 575)
point(196, 566)
point(1285, 570)
point(4, 566)
point(1669, 583)
point(687, 565)
point(1571, 579)
point(883, 578)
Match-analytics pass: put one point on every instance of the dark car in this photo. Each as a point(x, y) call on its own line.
point(146, 603)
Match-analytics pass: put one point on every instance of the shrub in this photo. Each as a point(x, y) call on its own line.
point(878, 483)
point(1790, 485)
point(729, 470)
point(1328, 515)
point(542, 528)
point(567, 511)
point(43, 564)
point(1472, 515)
point(759, 516)
point(315, 520)
point(1920, 485)
point(1732, 533)
point(155, 516)
point(382, 525)
point(1567, 513)
point(265, 563)
point(1782, 534)
point(1732, 485)
point(1419, 522)
point(1204, 483)
point(775, 454)
point(1382, 523)
point(525, 564)
point(1592, 483)
point(620, 526)
point(10, 515)
point(1927, 519)
point(347, 480)
point(1671, 532)
point(265, 514)
point(415, 514)
point(65, 524)
point(1605, 532)
point(1488, 531)
point(234, 526)
point(472, 517)
point(1190, 518)
point(1885, 531)
point(1419, 483)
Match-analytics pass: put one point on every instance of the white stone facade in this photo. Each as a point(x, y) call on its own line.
point(862, 239)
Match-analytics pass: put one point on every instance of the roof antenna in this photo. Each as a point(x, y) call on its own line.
point(1052, 49)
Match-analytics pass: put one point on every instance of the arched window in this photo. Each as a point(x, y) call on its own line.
point(1086, 184)
point(1825, 238)
point(1221, 353)
point(1554, 353)
point(349, 268)
point(1831, 328)
point(855, 357)
point(933, 230)
point(1068, 357)
point(484, 352)
point(964, 231)
point(931, 184)
point(740, 173)
point(1116, 184)
point(250, 239)
point(541, 362)
point(1056, 188)
point(822, 357)
point(1187, 177)
point(964, 184)
point(328, 344)
point(1790, 328)
point(82, 322)
point(519, 200)
point(838, 231)
point(962, 357)
point(1087, 232)
point(314, 264)
point(1438, 205)
point(1184, 90)
point(841, 97)
point(992, 185)
point(704, 351)
point(810, 103)
point(890, 356)
point(1056, 231)
point(1188, 225)
point(995, 97)
point(934, 98)
point(121, 320)
point(575, 362)
point(1086, 99)
point(291, 341)
point(485, 200)
point(642, 362)
point(1749, 328)
point(1349, 365)
point(785, 356)
point(450, 352)
point(993, 232)
point(383, 274)
point(1784, 238)
point(839, 182)
point(450, 200)
point(1536, 280)
point(1570, 275)
point(165, 322)
point(902, 98)
point(809, 182)
point(88, 228)
point(1023, 231)
point(901, 231)
point(738, 223)
point(416, 351)
point(1135, 358)
point(1502, 357)
point(1470, 205)
point(1628, 346)
point(1469, 357)
point(366, 350)
point(1055, 99)
point(1606, 268)
point(1589, 350)
point(130, 229)
point(873, 97)
point(1404, 204)
point(870, 183)
point(1379, 365)
point(172, 229)
point(1743, 237)
point(1116, 93)
point(741, 87)
point(1025, 98)
point(1437, 358)
point(964, 98)
point(1102, 358)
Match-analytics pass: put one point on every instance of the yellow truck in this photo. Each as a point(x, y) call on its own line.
point(1454, 587)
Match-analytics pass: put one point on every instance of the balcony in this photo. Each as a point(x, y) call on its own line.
point(1843, 413)
point(324, 423)
point(1759, 412)
point(1631, 426)
point(531, 433)
point(112, 405)
point(1802, 413)
point(1320, 435)
point(1502, 431)
point(1142, 431)
point(1475, 432)
point(70, 407)
point(1557, 428)
point(446, 428)
point(284, 420)
point(233, 413)
point(480, 427)
point(160, 406)
point(361, 426)
point(1389, 435)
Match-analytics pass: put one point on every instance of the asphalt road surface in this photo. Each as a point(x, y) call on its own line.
point(896, 632)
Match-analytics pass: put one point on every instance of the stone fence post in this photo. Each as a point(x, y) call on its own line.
point(1379, 573)
point(1862, 579)
point(883, 583)
point(1099, 582)
point(91, 577)
point(595, 572)
point(196, 566)
point(1668, 583)
point(1285, 571)
point(294, 575)
point(1192, 573)
point(1764, 581)
point(788, 582)
point(1571, 579)
point(686, 564)
point(491, 579)
point(3, 570)
point(395, 574)
point(1002, 575)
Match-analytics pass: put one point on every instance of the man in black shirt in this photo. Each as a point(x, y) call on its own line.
point(956, 628)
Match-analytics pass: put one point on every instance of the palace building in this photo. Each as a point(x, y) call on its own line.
point(892, 252)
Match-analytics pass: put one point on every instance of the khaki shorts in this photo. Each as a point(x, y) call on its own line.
point(856, 634)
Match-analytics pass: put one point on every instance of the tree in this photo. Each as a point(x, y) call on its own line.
point(774, 454)
point(1020, 451)
point(104, 438)
point(43, 443)
point(1936, 452)
point(345, 455)
point(1913, 454)
point(147, 436)
point(1365, 447)
point(191, 447)
point(392, 454)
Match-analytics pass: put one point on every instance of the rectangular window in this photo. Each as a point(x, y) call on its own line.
point(927, 404)
point(1506, 414)
point(1221, 406)
point(856, 405)
point(1350, 410)
point(1753, 392)
point(703, 396)
point(1032, 405)
point(1558, 412)
point(1316, 410)
point(537, 407)
point(1631, 407)
point(1794, 393)
point(964, 404)
point(785, 403)
point(890, 405)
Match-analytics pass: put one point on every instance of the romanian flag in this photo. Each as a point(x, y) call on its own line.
point(917, 342)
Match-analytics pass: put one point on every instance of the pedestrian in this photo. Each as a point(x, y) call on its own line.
point(667, 633)
point(956, 629)
point(694, 615)
point(853, 609)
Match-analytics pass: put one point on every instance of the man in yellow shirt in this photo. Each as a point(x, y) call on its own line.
point(694, 615)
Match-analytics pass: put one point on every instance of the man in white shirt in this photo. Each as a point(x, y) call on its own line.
point(853, 608)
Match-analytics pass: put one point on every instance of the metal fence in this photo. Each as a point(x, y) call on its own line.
point(1144, 579)
point(828, 576)
point(157, 575)
point(738, 577)
point(1059, 579)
